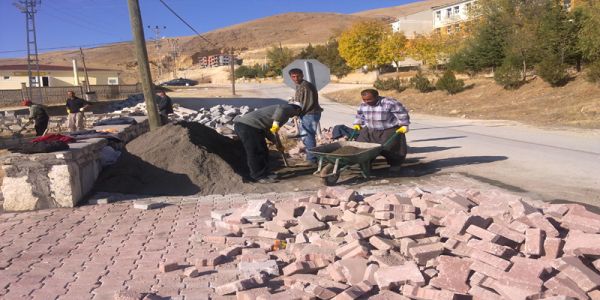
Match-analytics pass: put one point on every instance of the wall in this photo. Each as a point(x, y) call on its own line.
point(58, 179)
point(417, 23)
point(54, 95)
point(462, 16)
point(56, 78)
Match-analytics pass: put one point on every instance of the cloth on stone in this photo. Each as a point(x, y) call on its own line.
point(54, 137)
point(116, 121)
point(41, 147)
point(108, 156)
point(340, 131)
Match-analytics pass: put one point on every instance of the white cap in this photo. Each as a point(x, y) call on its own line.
point(295, 103)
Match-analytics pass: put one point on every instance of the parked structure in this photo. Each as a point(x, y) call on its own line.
point(11, 76)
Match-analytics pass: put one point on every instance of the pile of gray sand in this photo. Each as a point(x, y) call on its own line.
point(177, 159)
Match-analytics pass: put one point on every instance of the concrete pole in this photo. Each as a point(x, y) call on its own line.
point(75, 75)
point(137, 28)
point(87, 79)
point(232, 65)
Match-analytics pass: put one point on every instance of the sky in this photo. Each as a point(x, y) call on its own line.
point(62, 23)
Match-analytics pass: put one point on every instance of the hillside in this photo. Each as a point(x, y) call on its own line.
point(260, 33)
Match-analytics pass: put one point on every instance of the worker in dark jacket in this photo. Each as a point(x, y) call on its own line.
point(254, 127)
point(75, 108)
point(308, 96)
point(165, 106)
point(38, 115)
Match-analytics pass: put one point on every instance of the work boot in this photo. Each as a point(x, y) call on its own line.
point(395, 169)
point(266, 180)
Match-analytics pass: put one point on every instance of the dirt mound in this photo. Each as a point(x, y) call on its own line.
point(177, 159)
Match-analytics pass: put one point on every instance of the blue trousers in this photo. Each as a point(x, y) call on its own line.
point(309, 127)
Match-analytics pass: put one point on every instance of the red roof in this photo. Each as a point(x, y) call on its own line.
point(48, 68)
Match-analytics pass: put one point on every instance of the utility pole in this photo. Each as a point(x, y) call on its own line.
point(87, 79)
point(174, 54)
point(29, 8)
point(137, 28)
point(156, 30)
point(232, 65)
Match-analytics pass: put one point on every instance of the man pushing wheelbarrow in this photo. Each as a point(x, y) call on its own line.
point(381, 124)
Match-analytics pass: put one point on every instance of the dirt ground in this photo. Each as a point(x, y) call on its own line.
point(576, 104)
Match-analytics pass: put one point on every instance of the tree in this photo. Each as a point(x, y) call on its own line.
point(424, 49)
point(360, 45)
point(329, 55)
point(589, 33)
point(279, 58)
point(394, 49)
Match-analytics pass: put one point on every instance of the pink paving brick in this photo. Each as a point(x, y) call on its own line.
point(533, 242)
point(586, 278)
point(453, 274)
point(482, 234)
point(421, 293)
point(490, 259)
point(395, 276)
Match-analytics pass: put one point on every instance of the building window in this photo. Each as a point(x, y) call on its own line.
point(438, 15)
point(449, 29)
point(457, 28)
point(468, 7)
point(6, 77)
point(448, 12)
point(457, 10)
point(113, 80)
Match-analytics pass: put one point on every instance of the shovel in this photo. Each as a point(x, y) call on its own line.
point(279, 147)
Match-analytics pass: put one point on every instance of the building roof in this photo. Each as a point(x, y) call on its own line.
point(48, 68)
point(450, 4)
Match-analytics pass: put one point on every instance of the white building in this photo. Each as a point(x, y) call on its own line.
point(449, 17)
point(420, 23)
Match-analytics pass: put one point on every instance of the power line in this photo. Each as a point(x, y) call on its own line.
point(65, 47)
point(186, 23)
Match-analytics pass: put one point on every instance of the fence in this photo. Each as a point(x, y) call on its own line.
point(57, 95)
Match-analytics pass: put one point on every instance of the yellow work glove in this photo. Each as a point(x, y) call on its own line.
point(68, 111)
point(402, 129)
point(356, 127)
point(275, 128)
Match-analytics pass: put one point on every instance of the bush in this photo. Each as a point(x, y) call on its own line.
point(422, 83)
point(508, 75)
point(593, 72)
point(552, 71)
point(389, 84)
point(450, 84)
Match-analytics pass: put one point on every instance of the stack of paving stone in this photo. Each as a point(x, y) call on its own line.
point(448, 244)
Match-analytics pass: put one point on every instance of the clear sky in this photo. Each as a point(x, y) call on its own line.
point(86, 22)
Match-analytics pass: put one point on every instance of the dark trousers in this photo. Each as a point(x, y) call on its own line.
point(40, 126)
point(255, 146)
point(395, 153)
point(164, 119)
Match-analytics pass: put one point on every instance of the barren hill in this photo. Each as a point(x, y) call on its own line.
point(290, 28)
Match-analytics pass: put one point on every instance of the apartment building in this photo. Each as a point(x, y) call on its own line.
point(452, 18)
point(419, 23)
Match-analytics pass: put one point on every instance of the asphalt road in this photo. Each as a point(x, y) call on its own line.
point(547, 164)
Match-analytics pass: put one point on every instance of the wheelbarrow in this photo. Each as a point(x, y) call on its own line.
point(331, 164)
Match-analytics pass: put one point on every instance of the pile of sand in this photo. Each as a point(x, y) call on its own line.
point(178, 159)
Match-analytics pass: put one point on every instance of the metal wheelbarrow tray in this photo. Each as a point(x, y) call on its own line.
point(331, 164)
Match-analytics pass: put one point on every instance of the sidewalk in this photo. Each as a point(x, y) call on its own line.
point(93, 251)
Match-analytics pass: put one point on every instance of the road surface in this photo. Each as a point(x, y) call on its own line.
point(553, 165)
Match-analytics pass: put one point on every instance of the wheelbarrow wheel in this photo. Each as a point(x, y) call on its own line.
point(328, 178)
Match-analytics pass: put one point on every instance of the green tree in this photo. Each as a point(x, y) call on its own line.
point(329, 55)
point(589, 33)
point(279, 58)
point(360, 45)
point(393, 48)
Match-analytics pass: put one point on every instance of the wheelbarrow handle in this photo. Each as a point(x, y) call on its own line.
point(391, 139)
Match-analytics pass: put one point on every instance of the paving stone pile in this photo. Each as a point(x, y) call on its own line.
point(447, 244)
point(216, 117)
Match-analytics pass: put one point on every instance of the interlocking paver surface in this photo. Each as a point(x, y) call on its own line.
point(94, 251)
